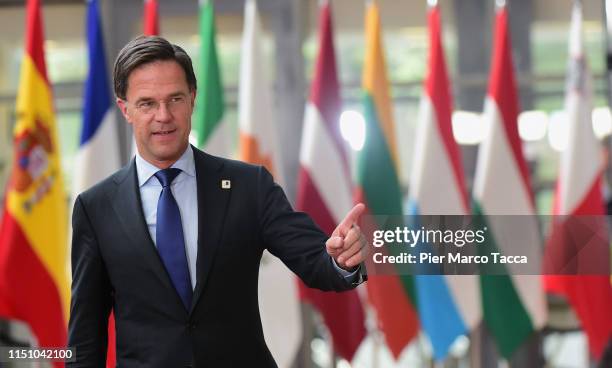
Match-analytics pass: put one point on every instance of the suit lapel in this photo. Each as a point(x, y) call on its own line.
point(212, 206)
point(128, 209)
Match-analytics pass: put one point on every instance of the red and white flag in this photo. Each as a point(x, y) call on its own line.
point(325, 189)
point(579, 198)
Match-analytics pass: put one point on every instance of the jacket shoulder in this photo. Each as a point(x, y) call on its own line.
point(99, 190)
point(229, 166)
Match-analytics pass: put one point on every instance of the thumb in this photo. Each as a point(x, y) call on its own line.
point(351, 218)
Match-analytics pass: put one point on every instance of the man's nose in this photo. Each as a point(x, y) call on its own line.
point(163, 113)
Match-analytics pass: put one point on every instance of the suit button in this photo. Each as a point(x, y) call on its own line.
point(191, 326)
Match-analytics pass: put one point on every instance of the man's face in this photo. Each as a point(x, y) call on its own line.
point(159, 105)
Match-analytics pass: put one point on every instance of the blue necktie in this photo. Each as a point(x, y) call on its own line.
point(170, 240)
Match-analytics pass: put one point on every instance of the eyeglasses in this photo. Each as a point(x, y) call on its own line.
point(173, 104)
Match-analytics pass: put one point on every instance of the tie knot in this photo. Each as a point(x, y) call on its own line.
point(166, 176)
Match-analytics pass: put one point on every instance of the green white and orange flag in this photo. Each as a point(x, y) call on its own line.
point(212, 133)
point(34, 284)
point(513, 305)
point(378, 188)
point(278, 294)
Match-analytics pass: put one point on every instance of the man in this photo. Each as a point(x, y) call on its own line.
point(172, 242)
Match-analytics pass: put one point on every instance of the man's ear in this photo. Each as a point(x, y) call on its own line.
point(122, 105)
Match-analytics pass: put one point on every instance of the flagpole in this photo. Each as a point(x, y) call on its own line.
point(607, 13)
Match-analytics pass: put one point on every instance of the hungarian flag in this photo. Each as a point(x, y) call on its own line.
point(34, 284)
point(278, 295)
point(151, 18)
point(392, 296)
point(98, 155)
point(324, 187)
point(448, 305)
point(514, 306)
point(208, 124)
point(579, 194)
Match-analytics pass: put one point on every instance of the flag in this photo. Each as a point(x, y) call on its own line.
point(324, 187)
point(278, 295)
point(98, 155)
point(579, 194)
point(150, 28)
point(151, 18)
point(258, 134)
point(513, 305)
point(211, 132)
point(448, 305)
point(34, 284)
point(392, 296)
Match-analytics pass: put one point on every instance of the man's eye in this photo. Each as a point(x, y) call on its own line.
point(144, 105)
point(177, 99)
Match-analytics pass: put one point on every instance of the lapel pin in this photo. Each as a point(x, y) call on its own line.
point(226, 184)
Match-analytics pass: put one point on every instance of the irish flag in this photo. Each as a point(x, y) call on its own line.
point(579, 194)
point(513, 305)
point(278, 295)
point(34, 284)
point(448, 305)
point(325, 187)
point(210, 106)
point(378, 187)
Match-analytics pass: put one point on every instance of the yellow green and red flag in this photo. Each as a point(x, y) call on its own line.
point(378, 187)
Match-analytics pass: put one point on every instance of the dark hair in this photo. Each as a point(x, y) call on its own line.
point(147, 49)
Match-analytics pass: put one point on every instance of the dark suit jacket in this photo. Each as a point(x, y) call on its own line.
point(115, 265)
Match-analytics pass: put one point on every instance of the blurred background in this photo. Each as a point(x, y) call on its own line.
point(289, 38)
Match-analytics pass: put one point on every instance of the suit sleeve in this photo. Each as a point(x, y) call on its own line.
point(295, 239)
point(91, 299)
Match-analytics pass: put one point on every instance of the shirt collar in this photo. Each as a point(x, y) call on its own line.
point(146, 170)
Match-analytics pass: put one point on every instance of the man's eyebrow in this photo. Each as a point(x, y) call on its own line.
point(177, 94)
point(143, 99)
point(174, 94)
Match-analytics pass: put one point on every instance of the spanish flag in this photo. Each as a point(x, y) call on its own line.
point(33, 232)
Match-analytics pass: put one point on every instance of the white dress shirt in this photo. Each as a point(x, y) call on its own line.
point(184, 190)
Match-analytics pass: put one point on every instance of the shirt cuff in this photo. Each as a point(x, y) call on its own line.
point(349, 276)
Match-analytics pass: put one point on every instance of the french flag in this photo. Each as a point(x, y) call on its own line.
point(98, 155)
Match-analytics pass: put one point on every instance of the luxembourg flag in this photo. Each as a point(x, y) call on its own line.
point(579, 194)
point(448, 305)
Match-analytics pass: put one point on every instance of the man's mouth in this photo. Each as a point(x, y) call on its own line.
point(165, 132)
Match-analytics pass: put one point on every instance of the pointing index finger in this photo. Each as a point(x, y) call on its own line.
point(351, 218)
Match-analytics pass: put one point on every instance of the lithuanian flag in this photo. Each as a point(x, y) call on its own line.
point(33, 240)
point(392, 296)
